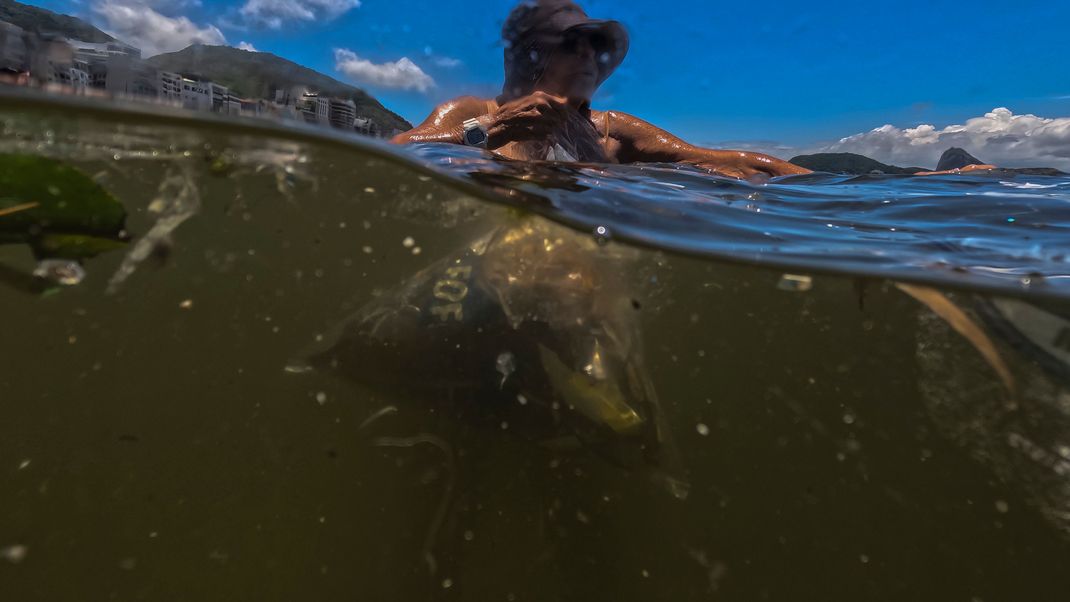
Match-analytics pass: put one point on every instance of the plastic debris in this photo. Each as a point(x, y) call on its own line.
point(796, 283)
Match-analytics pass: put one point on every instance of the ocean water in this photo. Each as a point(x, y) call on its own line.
point(243, 361)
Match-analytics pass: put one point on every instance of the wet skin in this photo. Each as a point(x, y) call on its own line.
point(568, 83)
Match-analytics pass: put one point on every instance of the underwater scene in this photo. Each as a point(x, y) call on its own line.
point(249, 361)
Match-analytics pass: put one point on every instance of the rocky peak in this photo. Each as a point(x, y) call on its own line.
point(956, 158)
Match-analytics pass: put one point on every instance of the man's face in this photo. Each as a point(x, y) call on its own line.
point(574, 67)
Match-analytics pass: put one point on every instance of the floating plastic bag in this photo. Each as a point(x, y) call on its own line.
point(531, 324)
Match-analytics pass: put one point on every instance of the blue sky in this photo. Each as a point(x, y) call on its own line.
point(772, 74)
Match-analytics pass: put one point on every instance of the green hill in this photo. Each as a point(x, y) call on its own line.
point(40, 20)
point(849, 163)
point(855, 164)
point(259, 74)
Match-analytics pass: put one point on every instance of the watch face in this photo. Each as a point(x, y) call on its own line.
point(475, 137)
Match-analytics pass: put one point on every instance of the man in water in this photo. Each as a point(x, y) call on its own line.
point(555, 59)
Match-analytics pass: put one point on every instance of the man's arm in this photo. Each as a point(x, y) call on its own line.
point(643, 142)
point(959, 170)
point(531, 117)
point(446, 122)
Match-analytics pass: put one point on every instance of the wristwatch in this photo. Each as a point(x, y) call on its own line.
point(474, 133)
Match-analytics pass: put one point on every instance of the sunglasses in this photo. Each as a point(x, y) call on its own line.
point(597, 40)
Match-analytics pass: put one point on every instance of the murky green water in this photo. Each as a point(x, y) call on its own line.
point(837, 443)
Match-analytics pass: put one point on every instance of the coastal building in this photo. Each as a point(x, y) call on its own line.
point(252, 108)
point(92, 52)
point(125, 75)
point(218, 96)
point(169, 87)
point(14, 57)
point(366, 127)
point(343, 113)
point(316, 109)
point(196, 95)
point(77, 76)
point(232, 105)
point(117, 70)
point(50, 60)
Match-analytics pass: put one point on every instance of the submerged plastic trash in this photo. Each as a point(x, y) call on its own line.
point(533, 311)
point(57, 210)
point(60, 271)
point(797, 283)
point(1007, 400)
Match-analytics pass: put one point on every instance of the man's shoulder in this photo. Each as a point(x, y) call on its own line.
point(465, 107)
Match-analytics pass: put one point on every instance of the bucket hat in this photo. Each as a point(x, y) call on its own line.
point(536, 28)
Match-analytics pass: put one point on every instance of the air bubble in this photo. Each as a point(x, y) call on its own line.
point(602, 234)
point(14, 554)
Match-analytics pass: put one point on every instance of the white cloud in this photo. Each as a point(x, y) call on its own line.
point(243, 45)
point(135, 22)
point(999, 137)
point(402, 74)
point(446, 62)
point(275, 13)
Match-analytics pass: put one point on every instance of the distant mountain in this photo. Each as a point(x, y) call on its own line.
point(1036, 171)
point(956, 158)
point(44, 21)
point(849, 163)
point(258, 74)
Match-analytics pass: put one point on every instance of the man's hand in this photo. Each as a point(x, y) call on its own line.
point(533, 117)
point(966, 169)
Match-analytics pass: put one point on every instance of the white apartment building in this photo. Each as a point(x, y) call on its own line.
point(196, 95)
point(316, 109)
point(92, 52)
point(252, 107)
point(169, 87)
point(343, 113)
point(124, 75)
point(233, 105)
point(218, 95)
point(366, 127)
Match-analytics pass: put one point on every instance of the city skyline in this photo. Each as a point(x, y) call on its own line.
point(897, 84)
point(54, 61)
